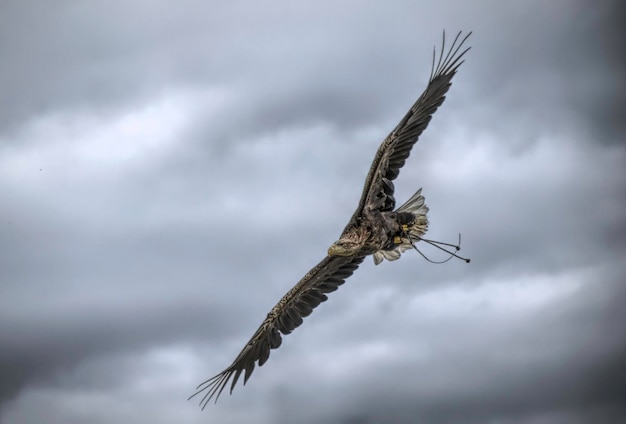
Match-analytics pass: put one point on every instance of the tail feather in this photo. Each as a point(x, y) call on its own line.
point(417, 206)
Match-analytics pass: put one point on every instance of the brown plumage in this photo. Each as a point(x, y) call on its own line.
point(374, 229)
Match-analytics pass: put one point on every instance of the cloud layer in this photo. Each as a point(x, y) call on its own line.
point(167, 172)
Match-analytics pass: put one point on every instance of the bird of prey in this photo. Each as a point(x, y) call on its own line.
point(375, 229)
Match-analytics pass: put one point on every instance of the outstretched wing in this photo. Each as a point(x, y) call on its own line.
point(395, 149)
point(298, 303)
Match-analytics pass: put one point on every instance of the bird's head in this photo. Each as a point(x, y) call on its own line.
point(344, 247)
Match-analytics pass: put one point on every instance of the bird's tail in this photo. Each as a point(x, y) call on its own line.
point(415, 208)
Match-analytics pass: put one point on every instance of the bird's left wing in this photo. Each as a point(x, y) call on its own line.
point(298, 303)
point(395, 149)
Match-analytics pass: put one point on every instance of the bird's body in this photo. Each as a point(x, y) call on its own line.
point(383, 233)
point(376, 228)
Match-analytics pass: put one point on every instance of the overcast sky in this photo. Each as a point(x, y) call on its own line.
point(168, 170)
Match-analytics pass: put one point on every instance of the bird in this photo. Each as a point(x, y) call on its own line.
point(374, 229)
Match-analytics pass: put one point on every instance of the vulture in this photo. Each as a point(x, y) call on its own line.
point(376, 228)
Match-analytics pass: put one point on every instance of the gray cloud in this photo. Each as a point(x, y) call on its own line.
point(167, 172)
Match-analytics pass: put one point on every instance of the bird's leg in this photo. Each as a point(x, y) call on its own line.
point(404, 230)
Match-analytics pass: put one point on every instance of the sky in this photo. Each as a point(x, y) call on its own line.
point(168, 170)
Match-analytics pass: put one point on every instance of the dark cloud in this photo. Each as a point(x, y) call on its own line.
point(168, 172)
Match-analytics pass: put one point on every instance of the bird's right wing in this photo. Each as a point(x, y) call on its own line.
point(298, 303)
